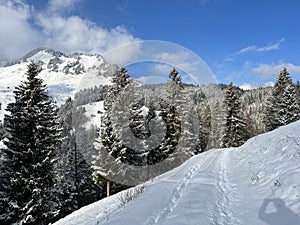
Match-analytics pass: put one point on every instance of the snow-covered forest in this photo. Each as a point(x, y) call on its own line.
point(75, 130)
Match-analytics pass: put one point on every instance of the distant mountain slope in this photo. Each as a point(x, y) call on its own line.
point(257, 183)
point(64, 74)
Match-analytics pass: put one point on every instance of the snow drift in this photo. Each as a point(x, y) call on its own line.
point(257, 183)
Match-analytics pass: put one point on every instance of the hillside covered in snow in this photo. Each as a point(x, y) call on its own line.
point(64, 74)
point(257, 183)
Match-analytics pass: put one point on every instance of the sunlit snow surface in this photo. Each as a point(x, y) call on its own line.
point(257, 183)
point(94, 112)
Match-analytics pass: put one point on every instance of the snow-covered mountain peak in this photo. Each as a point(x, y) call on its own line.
point(64, 74)
point(41, 54)
point(75, 63)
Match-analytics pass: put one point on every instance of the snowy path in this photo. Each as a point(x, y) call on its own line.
point(203, 183)
point(225, 192)
point(180, 188)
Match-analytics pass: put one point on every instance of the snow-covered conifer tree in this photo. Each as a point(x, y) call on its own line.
point(289, 107)
point(275, 106)
point(27, 195)
point(204, 114)
point(108, 144)
point(235, 133)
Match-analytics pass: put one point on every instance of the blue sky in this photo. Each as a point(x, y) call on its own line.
point(247, 42)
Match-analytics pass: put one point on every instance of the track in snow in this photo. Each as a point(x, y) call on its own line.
point(179, 189)
point(225, 194)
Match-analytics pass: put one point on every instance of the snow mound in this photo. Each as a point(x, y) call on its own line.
point(257, 183)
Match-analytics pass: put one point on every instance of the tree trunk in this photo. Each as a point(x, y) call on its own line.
point(107, 188)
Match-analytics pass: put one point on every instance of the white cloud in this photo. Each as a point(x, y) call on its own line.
point(17, 35)
point(161, 69)
point(75, 34)
point(268, 84)
point(162, 53)
point(270, 47)
point(23, 29)
point(254, 48)
point(188, 62)
point(229, 59)
point(152, 80)
point(59, 5)
point(250, 86)
point(270, 70)
point(247, 49)
point(124, 55)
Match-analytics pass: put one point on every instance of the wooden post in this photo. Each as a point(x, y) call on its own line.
point(107, 188)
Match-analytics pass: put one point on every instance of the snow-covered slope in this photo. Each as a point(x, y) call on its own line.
point(63, 74)
point(94, 112)
point(255, 184)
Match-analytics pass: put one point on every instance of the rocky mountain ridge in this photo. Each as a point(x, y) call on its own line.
point(64, 74)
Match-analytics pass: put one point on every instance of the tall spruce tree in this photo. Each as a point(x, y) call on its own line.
point(118, 150)
point(275, 110)
point(180, 117)
point(27, 193)
point(289, 107)
point(204, 114)
point(170, 114)
point(108, 144)
point(235, 133)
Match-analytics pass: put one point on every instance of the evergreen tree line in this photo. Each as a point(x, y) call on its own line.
point(89, 95)
point(271, 107)
point(170, 111)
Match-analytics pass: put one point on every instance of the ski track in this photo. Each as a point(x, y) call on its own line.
point(225, 195)
point(179, 189)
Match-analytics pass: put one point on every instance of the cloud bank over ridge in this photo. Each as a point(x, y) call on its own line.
point(24, 28)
